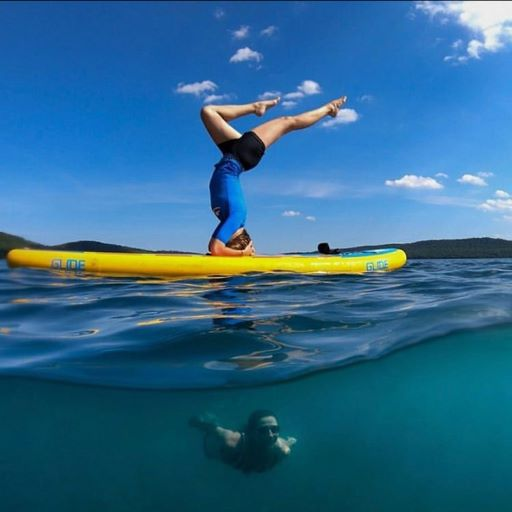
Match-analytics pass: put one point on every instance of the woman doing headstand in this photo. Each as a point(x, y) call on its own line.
point(241, 153)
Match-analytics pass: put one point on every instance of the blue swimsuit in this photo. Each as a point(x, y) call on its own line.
point(227, 199)
point(226, 196)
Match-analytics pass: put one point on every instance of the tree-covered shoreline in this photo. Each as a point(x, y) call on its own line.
point(425, 249)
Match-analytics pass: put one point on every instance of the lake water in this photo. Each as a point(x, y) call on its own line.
point(98, 378)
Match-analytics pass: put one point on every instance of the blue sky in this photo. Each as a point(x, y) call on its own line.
point(101, 137)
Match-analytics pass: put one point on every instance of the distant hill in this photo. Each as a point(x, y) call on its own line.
point(90, 245)
point(426, 249)
point(8, 242)
point(447, 249)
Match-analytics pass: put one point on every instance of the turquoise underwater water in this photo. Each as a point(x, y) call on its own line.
point(98, 378)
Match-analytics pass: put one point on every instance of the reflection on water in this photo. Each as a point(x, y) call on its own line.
point(231, 297)
point(235, 331)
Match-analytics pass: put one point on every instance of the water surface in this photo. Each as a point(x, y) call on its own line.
point(236, 331)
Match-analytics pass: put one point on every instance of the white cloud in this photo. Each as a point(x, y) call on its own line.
point(488, 22)
point(197, 88)
point(242, 32)
point(309, 87)
point(486, 174)
point(432, 9)
point(289, 104)
point(269, 95)
point(501, 205)
point(294, 213)
point(246, 54)
point(413, 181)
point(306, 88)
point(496, 205)
point(366, 98)
point(293, 95)
point(211, 98)
point(470, 179)
point(441, 175)
point(269, 31)
point(345, 116)
point(219, 13)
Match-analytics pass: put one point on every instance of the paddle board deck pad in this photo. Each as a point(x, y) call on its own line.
point(188, 265)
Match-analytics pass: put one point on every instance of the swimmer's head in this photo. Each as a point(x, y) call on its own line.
point(263, 427)
point(240, 241)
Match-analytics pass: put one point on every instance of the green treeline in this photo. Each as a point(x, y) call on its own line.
point(428, 249)
point(8, 242)
point(446, 249)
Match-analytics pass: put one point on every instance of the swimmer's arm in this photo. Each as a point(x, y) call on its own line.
point(217, 248)
point(230, 437)
point(204, 422)
point(219, 441)
point(207, 423)
point(286, 444)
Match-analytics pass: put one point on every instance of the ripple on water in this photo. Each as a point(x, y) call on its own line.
point(235, 331)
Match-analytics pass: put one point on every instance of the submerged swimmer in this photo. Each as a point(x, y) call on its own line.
point(242, 153)
point(256, 448)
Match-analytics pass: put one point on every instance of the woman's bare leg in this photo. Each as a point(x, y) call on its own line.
point(216, 118)
point(272, 130)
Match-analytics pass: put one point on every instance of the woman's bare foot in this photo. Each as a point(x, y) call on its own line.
point(260, 107)
point(335, 105)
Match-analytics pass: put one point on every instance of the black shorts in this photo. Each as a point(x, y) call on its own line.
point(248, 149)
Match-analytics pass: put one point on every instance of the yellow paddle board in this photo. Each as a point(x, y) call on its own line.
point(184, 265)
point(188, 265)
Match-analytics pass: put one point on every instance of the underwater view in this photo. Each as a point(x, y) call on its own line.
point(100, 378)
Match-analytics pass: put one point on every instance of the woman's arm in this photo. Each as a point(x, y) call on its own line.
point(217, 248)
point(205, 422)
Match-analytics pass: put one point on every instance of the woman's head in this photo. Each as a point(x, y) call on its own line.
point(263, 427)
point(239, 242)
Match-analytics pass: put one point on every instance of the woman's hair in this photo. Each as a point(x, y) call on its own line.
point(239, 242)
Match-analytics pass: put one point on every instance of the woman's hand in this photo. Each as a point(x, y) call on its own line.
point(249, 250)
